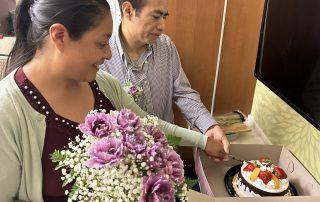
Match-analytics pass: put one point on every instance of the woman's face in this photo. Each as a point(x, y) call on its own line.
point(83, 56)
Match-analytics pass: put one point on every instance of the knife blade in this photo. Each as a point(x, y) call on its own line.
point(235, 158)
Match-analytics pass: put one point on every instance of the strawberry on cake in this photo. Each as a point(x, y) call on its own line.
point(261, 178)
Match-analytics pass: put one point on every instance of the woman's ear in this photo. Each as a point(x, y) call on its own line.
point(59, 36)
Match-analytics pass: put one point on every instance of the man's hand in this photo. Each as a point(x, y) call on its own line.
point(216, 133)
point(214, 149)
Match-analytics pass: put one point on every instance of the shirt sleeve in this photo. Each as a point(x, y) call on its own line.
point(188, 137)
point(187, 99)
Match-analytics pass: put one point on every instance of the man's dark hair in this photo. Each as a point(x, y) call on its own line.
point(136, 4)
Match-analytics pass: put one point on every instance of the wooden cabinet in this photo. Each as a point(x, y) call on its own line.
point(195, 28)
point(217, 41)
point(235, 80)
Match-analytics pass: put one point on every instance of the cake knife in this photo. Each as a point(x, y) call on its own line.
point(235, 158)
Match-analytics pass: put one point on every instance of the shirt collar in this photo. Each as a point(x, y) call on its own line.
point(118, 42)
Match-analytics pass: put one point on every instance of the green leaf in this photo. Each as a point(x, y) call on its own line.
point(56, 156)
point(65, 182)
point(58, 167)
point(73, 174)
point(190, 182)
point(173, 141)
point(73, 190)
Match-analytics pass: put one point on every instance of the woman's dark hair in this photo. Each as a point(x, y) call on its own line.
point(33, 19)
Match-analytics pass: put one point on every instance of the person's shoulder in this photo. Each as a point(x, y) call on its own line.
point(10, 110)
point(113, 39)
point(113, 44)
point(106, 80)
point(6, 88)
point(164, 40)
point(9, 97)
point(105, 76)
point(164, 46)
point(115, 60)
point(109, 86)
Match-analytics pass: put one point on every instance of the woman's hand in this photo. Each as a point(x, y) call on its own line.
point(215, 150)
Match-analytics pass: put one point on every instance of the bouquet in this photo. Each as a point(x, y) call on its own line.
point(121, 157)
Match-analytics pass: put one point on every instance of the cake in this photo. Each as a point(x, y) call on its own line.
point(258, 178)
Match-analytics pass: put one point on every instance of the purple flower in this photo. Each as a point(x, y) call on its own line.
point(136, 143)
point(106, 151)
point(174, 166)
point(157, 152)
point(128, 122)
point(157, 188)
point(133, 90)
point(157, 134)
point(98, 124)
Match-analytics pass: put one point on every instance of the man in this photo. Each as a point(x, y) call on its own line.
point(145, 58)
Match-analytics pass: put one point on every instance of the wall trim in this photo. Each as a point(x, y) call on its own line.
point(219, 55)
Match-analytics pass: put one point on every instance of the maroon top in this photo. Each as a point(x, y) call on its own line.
point(58, 132)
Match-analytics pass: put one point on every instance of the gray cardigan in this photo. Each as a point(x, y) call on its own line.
point(22, 132)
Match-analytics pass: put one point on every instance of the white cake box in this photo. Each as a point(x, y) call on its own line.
point(211, 175)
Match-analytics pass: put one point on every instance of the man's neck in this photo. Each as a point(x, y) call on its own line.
point(132, 45)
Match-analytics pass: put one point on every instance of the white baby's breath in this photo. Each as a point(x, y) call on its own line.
point(121, 182)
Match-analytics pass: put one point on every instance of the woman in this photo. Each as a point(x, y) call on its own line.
point(54, 82)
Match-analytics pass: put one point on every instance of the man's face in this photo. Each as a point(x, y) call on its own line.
point(149, 23)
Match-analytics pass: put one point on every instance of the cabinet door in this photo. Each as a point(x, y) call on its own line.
point(236, 81)
point(195, 27)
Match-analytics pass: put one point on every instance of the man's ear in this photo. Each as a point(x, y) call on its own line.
point(127, 10)
point(59, 35)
